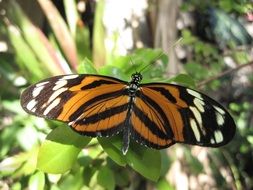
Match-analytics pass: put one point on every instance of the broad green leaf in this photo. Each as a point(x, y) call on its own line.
point(86, 67)
point(56, 158)
point(73, 181)
point(113, 71)
point(105, 178)
point(58, 153)
point(37, 181)
point(145, 161)
point(163, 184)
point(183, 79)
point(112, 146)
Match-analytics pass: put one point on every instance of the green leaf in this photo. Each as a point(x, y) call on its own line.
point(113, 71)
point(122, 178)
point(183, 79)
point(105, 178)
point(73, 181)
point(145, 161)
point(86, 67)
point(37, 181)
point(58, 153)
point(20, 164)
point(163, 184)
point(112, 146)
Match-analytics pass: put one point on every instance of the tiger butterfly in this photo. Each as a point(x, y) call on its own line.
point(157, 115)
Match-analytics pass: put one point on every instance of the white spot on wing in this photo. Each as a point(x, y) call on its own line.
point(212, 141)
point(31, 104)
point(69, 77)
point(220, 119)
point(56, 94)
point(37, 90)
point(59, 84)
point(221, 111)
point(195, 93)
point(41, 84)
point(199, 104)
point(195, 129)
point(197, 114)
point(218, 136)
point(52, 105)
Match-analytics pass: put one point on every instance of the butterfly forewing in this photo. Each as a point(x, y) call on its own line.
point(92, 105)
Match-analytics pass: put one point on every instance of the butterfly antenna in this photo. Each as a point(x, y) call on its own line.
point(132, 63)
point(146, 66)
point(160, 55)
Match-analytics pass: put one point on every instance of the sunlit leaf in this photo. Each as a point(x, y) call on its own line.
point(183, 79)
point(113, 71)
point(37, 181)
point(20, 164)
point(145, 161)
point(112, 146)
point(163, 184)
point(59, 152)
point(86, 67)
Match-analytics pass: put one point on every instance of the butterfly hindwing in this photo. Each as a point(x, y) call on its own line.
point(149, 123)
point(92, 105)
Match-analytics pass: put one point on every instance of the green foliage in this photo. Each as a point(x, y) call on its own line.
point(59, 152)
point(33, 150)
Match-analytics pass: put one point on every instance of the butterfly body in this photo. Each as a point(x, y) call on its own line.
point(157, 115)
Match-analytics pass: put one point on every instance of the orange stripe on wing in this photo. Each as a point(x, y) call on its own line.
point(102, 125)
point(151, 113)
point(91, 79)
point(146, 134)
point(171, 110)
point(83, 96)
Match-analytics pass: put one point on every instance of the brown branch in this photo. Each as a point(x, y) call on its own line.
point(200, 84)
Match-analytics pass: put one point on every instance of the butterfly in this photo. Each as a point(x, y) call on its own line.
point(157, 115)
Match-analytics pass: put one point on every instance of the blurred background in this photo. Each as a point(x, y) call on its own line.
point(207, 46)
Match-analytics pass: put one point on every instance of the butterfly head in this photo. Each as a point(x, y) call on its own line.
point(136, 78)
